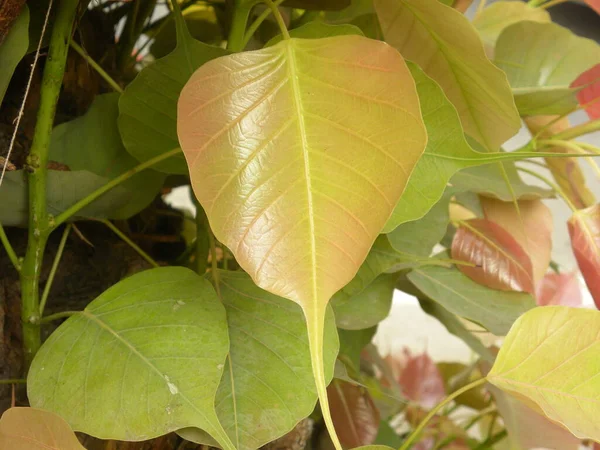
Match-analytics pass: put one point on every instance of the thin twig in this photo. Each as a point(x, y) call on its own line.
point(14, 259)
point(129, 242)
point(75, 46)
point(55, 263)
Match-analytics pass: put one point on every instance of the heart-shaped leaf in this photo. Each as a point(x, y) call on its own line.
point(148, 107)
point(13, 48)
point(584, 230)
point(281, 169)
point(353, 413)
point(499, 260)
point(551, 360)
point(447, 47)
point(531, 226)
point(113, 370)
point(492, 309)
point(541, 61)
point(559, 289)
point(268, 385)
point(35, 429)
point(589, 95)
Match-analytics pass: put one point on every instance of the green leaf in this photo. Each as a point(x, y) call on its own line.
point(282, 169)
point(96, 132)
point(352, 343)
point(321, 5)
point(444, 43)
point(551, 360)
point(387, 436)
point(63, 189)
point(148, 107)
point(496, 17)
point(268, 385)
point(494, 310)
point(317, 30)
point(541, 61)
point(13, 48)
point(143, 359)
point(360, 13)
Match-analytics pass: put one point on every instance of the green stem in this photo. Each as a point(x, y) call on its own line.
point(96, 67)
point(59, 252)
point(235, 40)
point(579, 130)
point(553, 185)
point(257, 23)
point(129, 242)
point(39, 223)
point(417, 431)
point(74, 209)
point(14, 259)
point(278, 18)
point(13, 381)
point(58, 316)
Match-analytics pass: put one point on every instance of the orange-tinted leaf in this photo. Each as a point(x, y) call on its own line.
point(590, 80)
point(500, 262)
point(584, 229)
point(354, 414)
point(559, 289)
point(531, 226)
point(35, 429)
point(421, 380)
point(594, 4)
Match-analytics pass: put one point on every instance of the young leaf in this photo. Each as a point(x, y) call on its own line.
point(353, 413)
point(35, 429)
point(496, 17)
point(421, 380)
point(531, 226)
point(499, 260)
point(97, 132)
point(148, 107)
point(559, 289)
point(281, 169)
point(445, 44)
point(144, 389)
point(13, 48)
point(492, 309)
point(268, 385)
point(594, 4)
point(589, 81)
point(541, 61)
point(551, 360)
point(318, 30)
point(584, 230)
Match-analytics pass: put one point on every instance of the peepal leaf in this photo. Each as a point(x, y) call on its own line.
point(421, 380)
point(551, 360)
point(13, 48)
point(499, 261)
point(494, 310)
point(148, 386)
point(541, 60)
point(36, 429)
point(148, 107)
point(447, 47)
point(268, 385)
point(589, 95)
point(281, 169)
point(559, 289)
point(584, 230)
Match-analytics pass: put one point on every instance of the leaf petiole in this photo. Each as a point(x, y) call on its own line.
point(14, 259)
point(257, 23)
point(553, 185)
point(59, 252)
point(279, 18)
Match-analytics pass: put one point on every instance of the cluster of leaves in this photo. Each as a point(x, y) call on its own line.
point(332, 147)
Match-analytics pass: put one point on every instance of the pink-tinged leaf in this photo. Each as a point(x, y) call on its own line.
point(594, 4)
point(421, 380)
point(559, 289)
point(584, 229)
point(590, 93)
point(354, 414)
point(499, 261)
point(531, 226)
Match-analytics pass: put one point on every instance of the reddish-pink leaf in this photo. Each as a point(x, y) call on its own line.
point(584, 229)
point(590, 94)
point(499, 261)
point(421, 380)
point(354, 414)
point(594, 4)
point(559, 289)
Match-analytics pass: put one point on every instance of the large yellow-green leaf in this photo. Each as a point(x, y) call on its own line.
point(447, 47)
point(143, 359)
point(551, 360)
point(541, 61)
point(298, 154)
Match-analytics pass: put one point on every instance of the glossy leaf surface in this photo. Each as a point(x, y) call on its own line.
point(447, 47)
point(353, 413)
point(588, 96)
point(559, 289)
point(541, 78)
point(13, 48)
point(494, 310)
point(551, 359)
point(35, 429)
point(148, 107)
point(499, 260)
point(144, 389)
point(584, 230)
point(531, 226)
